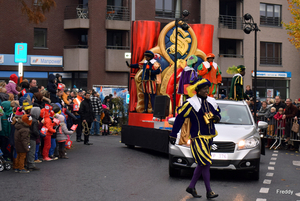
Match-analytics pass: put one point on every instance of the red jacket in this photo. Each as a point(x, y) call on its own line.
point(47, 121)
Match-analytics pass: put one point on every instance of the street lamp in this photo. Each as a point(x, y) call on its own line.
point(185, 27)
point(249, 26)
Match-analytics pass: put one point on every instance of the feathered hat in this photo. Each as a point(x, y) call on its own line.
point(198, 84)
point(191, 60)
point(150, 54)
point(235, 69)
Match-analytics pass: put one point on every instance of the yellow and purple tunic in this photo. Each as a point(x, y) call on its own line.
point(202, 133)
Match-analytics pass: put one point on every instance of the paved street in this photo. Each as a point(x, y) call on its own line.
point(109, 170)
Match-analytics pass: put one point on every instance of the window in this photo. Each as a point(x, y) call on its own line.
point(231, 48)
point(117, 39)
point(270, 53)
point(168, 8)
point(40, 38)
point(270, 15)
point(278, 87)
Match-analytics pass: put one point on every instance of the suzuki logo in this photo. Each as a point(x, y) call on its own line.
point(214, 147)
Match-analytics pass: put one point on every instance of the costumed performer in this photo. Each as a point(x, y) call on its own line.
point(210, 71)
point(188, 76)
point(237, 87)
point(203, 112)
point(148, 78)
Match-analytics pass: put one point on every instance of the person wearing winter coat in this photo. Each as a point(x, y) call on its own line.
point(87, 115)
point(34, 135)
point(263, 111)
point(3, 95)
point(12, 84)
point(5, 132)
point(62, 135)
point(106, 121)
point(22, 142)
point(52, 88)
point(47, 139)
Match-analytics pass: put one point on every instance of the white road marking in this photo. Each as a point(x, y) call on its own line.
point(261, 199)
point(275, 151)
point(273, 159)
point(296, 163)
point(270, 174)
point(297, 194)
point(274, 154)
point(272, 163)
point(264, 190)
point(267, 181)
point(271, 168)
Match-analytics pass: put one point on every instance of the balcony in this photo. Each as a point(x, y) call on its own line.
point(115, 58)
point(230, 27)
point(272, 61)
point(117, 17)
point(76, 17)
point(76, 58)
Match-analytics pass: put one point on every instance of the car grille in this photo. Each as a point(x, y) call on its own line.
point(221, 163)
point(227, 147)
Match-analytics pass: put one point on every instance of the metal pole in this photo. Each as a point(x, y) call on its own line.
point(175, 68)
point(255, 69)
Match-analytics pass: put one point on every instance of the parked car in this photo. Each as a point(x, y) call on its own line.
point(236, 147)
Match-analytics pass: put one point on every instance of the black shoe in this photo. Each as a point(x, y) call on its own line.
point(145, 111)
point(78, 140)
point(211, 194)
point(88, 143)
point(34, 168)
point(81, 140)
point(193, 192)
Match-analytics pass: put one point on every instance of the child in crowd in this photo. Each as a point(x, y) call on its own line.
point(271, 124)
point(34, 135)
point(5, 132)
point(280, 122)
point(105, 120)
point(47, 123)
point(62, 135)
point(22, 141)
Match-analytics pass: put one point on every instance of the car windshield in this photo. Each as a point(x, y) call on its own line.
point(235, 114)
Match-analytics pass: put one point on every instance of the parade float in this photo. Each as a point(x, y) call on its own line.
point(194, 39)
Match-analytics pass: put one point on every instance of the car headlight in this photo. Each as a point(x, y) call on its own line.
point(248, 143)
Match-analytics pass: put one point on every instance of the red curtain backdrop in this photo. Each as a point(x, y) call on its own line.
point(144, 36)
point(204, 34)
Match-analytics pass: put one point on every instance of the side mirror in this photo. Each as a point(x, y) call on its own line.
point(171, 121)
point(262, 124)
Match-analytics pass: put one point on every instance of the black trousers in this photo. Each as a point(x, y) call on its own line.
point(79, 127)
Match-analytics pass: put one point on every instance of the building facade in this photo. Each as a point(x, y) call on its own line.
point(92, 39)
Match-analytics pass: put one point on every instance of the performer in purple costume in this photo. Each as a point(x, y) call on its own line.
point(203, 112)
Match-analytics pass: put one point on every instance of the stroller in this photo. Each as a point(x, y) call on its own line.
point(3, 163)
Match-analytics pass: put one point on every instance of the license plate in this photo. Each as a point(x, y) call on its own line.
point(219, 156)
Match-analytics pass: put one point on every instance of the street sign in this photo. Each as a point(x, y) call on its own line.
point(21, 52)
point(127, 55)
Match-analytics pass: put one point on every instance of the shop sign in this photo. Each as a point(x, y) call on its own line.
point(1, 59)
point(46, 61)
point(272, 74)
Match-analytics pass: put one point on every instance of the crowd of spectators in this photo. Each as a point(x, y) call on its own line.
point(37, 121)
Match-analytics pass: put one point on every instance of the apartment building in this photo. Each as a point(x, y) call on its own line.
point(92, 37)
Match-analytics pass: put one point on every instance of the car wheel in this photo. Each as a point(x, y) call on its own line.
point(254, 175)
point(173, 172)
point(130, 146)
point(1, 167)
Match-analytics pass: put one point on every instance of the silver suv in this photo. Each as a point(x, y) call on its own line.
point(236, 147)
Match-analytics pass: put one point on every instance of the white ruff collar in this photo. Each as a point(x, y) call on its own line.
point(151, 61)
point(196, 102)
point(237, 75)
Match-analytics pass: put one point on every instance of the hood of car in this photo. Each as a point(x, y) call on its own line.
point(234, 133)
